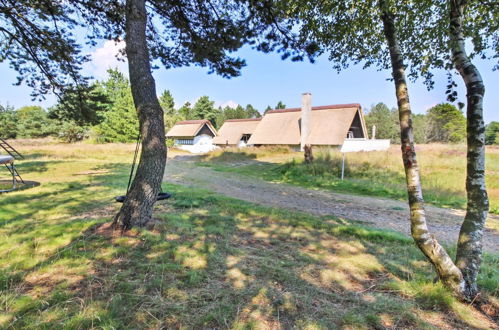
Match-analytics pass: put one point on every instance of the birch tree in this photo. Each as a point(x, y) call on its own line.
point(410, 38)
point(469, 248)
point(457, 23)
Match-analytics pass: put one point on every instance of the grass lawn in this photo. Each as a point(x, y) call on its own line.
point(206, 261)
point(443, 171)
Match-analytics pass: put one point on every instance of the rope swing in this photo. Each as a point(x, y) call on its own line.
point(161, 195)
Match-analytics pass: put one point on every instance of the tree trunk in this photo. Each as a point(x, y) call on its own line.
point(309, 155)
point(446, 270)
point(138, 206)
point(469, 248)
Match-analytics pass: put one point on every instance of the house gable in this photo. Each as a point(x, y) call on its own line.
point(205, 130)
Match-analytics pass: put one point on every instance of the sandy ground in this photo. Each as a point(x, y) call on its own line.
point(373, 211)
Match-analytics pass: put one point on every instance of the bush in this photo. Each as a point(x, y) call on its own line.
point(8, 122)
point(33, 122)
point(71, 132)
point(170, 143)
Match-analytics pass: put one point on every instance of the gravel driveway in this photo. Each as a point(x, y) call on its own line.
point(374, 211)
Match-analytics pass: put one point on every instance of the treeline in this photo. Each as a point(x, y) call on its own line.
point(204, 108)
point(105, 112)
point(442, 123)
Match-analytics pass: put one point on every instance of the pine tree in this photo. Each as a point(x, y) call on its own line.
point(186, 111)
point(120, 122)
point(8, 122)
point(251, 112)
point(280, 105)
point(168, 105)
point(204, 109)
point(446, 123)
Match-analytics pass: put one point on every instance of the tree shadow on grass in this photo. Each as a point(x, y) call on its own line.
point(36, 166)
point(213, 262)
point(68, 198)
point(35, 223)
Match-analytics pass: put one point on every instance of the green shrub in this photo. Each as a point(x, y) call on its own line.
point(8, 122)
point(71, 132)
point(170, 143)
point(33, 122)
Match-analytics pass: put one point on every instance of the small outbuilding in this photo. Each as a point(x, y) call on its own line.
point(236, 132)
point(195, 136)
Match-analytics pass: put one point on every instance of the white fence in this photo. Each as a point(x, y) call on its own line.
point(356, 145)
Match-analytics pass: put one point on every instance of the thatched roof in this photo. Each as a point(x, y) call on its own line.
point(232, 130)
point(190, 128)
point(329, 125)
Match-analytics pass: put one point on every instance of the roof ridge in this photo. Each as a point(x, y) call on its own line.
point(243, 119)
point(191, 121)
point(322, 107)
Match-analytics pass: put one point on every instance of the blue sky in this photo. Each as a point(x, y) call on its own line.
point(267, 79)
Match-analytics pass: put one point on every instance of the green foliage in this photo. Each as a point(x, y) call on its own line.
point(8, 122)
point(492, 133)
point(420, 128)
point(167, 103)
point(72, 132)
point(170, 143)
point(204, 109)
point(83, 106)
point(388, 127)
point(33, 122)
point(386, 122)
point(280, 105)
point(170, 113)
point(251, 112)
point(446, 124)
point(236, 113)
point(38, 42)
point(120, 122)
point(185, 111)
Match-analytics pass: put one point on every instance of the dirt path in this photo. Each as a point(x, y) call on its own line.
point(374, 211)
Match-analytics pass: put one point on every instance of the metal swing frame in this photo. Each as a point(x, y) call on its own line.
point(8, 161)
point(16, 178)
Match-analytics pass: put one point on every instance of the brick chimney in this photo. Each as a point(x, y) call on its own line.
point(306, 109)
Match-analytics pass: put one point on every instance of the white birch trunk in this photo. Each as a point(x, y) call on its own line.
point(447, 271)
point(469, 248)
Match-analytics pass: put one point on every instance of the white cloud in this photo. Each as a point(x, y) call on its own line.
point(230, 104)
point(104, 58)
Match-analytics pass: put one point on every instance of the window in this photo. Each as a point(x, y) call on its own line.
point(184, 141)
point(245, 138)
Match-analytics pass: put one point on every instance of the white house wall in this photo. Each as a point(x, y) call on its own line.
point(201, 143)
